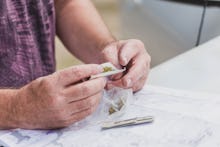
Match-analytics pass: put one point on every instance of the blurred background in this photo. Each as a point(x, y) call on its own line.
point(109, 10)
point(167, 27)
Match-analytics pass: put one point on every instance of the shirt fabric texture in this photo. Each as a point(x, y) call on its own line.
point(27, 32)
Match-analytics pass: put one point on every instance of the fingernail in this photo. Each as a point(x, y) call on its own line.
point(128, 83)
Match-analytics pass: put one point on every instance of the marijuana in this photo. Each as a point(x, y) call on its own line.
point(107, 69)
point(116, 108)
point(111, 110)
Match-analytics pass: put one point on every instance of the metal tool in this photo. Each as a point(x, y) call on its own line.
point(128, 122)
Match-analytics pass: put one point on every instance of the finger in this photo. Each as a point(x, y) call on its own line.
point(76, 73)
point(138, 69)
point(110, 53)
point(139, 84)
point(135, 87)
point(79, 115)
point(112, 84)
point(116, 77)
point(84, 104)
point(128, 52)
point(72, 119)
point(75, 117)
point(84, 89)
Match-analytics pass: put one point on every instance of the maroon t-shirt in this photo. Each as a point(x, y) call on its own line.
point(27, 31)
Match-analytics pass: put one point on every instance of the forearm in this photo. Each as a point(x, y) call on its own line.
point(7, 116)
point(81, 29)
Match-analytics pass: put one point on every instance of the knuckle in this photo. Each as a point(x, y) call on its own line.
point(60, 75)
point(146, 61)
point(39, 80)
point(45, 89)
point(138, 43)
point(145, 73)
point(148, 58)
point(55, 101)
point(64, 74)
point(45, 83)
point(77, 72)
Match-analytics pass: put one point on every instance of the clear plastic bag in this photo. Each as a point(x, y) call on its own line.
point(113, 104)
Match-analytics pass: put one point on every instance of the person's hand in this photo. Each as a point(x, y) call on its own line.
point(132, 55)
point(60, 99)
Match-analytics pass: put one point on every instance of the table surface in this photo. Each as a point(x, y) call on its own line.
point(195, 70)
point(183, 119)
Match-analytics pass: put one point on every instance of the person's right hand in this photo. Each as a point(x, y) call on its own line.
point(60, 99)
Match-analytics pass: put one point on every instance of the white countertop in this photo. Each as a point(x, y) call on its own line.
point(195, 70)
point(182, 119)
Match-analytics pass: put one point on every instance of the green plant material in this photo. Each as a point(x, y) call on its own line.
point(106, 69)
point(120, 104)
point(112, 109)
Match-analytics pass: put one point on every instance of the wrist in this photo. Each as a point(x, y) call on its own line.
point(104, 43)
point(104, 50)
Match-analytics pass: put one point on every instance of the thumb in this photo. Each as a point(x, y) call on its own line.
point(76, 73)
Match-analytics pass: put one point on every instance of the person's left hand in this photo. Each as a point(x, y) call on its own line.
point(132, 55)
